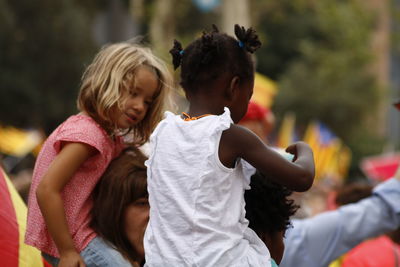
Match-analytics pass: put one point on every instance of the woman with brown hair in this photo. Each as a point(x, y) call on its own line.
point(120, 196)
point(121, 209)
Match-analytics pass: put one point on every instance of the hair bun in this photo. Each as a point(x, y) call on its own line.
point(177, 53)
point(248, 38)
point(214, 28)
point(209, 46)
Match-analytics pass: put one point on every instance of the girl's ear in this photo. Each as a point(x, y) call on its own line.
point(233, 87)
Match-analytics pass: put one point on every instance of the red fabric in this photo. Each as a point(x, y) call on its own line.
point(372, 253)
point(9, 233)
point(255, 112)
point(381, 167)
point(46, 264)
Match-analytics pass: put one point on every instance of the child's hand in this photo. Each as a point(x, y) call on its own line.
point(71, 259)
point(297, 148)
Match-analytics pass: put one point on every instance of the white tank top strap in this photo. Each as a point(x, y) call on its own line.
point(225, 120)
point(169, 115)
point(248, 171)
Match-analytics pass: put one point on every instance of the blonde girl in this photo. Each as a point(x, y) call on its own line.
point(122, 97)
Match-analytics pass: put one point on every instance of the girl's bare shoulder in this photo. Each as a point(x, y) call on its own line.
point(237, 134)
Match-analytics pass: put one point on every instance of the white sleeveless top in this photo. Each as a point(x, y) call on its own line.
point(197, 215)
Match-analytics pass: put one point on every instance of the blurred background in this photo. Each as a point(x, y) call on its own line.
point(328, 71)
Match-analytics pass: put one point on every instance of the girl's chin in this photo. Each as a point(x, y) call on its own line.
point(140, 254)
point(128, 123)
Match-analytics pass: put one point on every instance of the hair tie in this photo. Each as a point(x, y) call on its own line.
point(176, 53)
point(247, 39)
point(181, 52)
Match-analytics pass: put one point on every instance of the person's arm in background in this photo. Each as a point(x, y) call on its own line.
point(397, 175)
point(317, 241)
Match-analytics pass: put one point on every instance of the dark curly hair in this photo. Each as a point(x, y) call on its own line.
point(268, 207)
point(215, 54)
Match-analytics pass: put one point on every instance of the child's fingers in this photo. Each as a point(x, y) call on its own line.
point(291, 149)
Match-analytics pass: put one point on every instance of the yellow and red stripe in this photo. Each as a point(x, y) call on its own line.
point(13, 212)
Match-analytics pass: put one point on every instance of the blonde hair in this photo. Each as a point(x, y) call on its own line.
point(106, 79)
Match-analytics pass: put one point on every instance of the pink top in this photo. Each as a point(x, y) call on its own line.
point(77, 192)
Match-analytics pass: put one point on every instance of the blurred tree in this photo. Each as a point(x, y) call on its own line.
point(43, 47)
point(394, 115)
point(320, 52)
point(162, 25)
point(234, 12)
point(185, 21)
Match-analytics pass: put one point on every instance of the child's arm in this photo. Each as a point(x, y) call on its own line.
point(48, 194)
point(239, 142)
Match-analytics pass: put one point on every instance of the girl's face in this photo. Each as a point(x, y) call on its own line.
point(138, 99)
point(241, 100)
point(135, 223)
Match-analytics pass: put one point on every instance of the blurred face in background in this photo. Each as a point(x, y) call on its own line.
point(135, 221)
point(121, 208)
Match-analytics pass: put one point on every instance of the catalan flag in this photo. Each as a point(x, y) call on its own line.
point(332, 157)
point(13, 211)
point(286, 134)
point(264, 90)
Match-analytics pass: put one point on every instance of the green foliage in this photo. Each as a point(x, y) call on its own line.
point(43, 47)
point(395, 18)
point(282, 25)
point(364, 143)
point(320, 52)
point(188, 19)
point(191, 22)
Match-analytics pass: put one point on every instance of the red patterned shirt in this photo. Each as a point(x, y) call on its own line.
point(76, 194)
